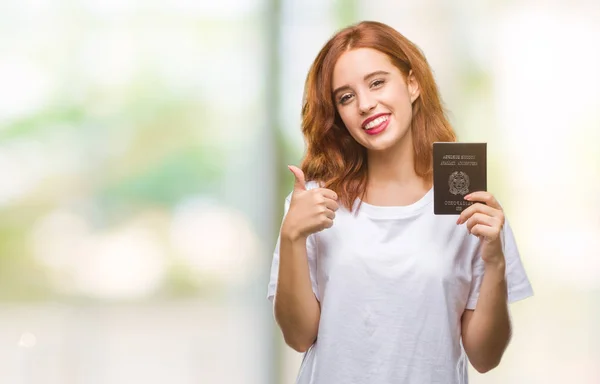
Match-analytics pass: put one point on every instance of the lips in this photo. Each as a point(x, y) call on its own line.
point(377, 126)
point(375, 121)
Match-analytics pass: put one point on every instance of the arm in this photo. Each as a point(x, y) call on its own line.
point(297, 310)
point(486, 331)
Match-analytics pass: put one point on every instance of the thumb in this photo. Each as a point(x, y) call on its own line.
point(300, 183)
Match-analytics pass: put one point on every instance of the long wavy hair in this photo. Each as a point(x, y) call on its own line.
point(333, 157)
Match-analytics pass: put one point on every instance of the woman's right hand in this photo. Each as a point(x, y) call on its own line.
point(310, 211)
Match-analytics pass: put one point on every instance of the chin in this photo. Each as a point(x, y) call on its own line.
point(379, 148)
point(384, 143)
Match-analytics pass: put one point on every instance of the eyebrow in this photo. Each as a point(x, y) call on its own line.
point(367, 77)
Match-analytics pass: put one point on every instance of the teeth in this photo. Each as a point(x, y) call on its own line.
point(376, 122)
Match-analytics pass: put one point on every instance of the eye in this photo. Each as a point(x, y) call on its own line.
point(377, 83)
point(345, 98)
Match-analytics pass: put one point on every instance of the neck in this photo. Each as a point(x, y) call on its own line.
point(394, 166)
point(392, 180)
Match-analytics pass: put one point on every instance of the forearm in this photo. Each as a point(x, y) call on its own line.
point(297, 310)
point(489, 331)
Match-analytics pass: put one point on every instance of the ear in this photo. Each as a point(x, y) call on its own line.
point(413, 86)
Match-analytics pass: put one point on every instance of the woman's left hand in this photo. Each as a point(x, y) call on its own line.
point(485, 222)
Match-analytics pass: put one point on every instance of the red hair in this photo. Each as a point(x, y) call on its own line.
point(333, 157)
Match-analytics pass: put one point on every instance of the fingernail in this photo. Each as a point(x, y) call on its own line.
point(467, 197)
point(458, 220)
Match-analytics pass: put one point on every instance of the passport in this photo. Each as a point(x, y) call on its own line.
point(458, 169)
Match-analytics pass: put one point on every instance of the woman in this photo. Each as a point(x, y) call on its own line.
point(365, 279)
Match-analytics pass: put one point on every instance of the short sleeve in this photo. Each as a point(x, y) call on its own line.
point(517, 282)
point(311, 252)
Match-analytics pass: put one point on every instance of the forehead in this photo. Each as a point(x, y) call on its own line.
point(353, 65)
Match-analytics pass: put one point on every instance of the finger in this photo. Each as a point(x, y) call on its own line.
point(480, 218)
point(328, 193)
point(328, 223)
point(299, 182)
point(481, 208)
point(331, 204)
point(484, 197)
point(481, 230)
point(330, 214)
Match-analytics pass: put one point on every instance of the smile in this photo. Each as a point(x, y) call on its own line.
point(378, 121)
point(376, 124)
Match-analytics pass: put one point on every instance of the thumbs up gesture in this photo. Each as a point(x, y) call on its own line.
point(310, 210)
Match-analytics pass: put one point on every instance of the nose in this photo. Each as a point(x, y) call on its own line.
point(366, 104)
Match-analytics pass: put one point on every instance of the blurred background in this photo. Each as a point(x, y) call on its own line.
point(143, 153)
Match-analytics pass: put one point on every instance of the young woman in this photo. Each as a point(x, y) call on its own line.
point(365, 279)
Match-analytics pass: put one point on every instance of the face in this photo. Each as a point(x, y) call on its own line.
point(373, 98)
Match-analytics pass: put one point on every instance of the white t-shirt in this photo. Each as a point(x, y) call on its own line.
point(393, 283)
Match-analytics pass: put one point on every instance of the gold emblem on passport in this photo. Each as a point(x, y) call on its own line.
point(458, 183)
